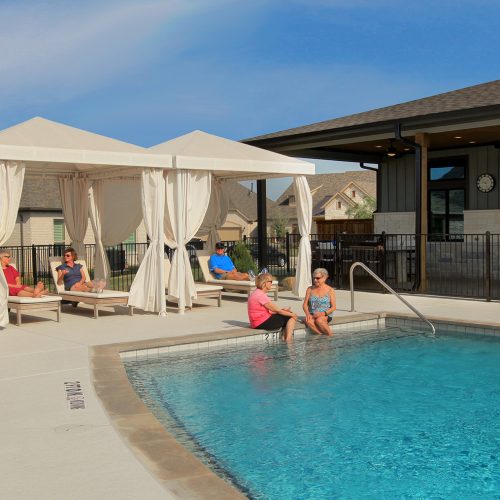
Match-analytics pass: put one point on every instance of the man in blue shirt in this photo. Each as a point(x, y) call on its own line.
point(222, 267)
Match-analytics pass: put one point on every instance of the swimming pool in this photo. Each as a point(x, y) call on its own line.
point(377, 413)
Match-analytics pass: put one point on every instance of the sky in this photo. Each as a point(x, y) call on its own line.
point(146, 71)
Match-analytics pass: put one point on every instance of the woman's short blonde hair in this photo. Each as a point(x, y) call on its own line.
point(261, 279)
point(320, 270)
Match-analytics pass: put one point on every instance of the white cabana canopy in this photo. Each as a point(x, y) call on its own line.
point(84, 164)
point(229, 159)
point(49, 148)
point(99, 177)
point(198, 158)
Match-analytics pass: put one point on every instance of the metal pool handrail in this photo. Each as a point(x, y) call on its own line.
point(387, 287)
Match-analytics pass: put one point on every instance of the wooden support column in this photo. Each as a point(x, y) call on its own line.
point(423, 140)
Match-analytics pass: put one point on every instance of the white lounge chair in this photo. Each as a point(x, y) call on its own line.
point(105, 298)
point(245, 286)
point(202, 290)
point(23, 304)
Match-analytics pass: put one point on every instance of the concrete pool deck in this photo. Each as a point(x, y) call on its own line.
point(50, 451)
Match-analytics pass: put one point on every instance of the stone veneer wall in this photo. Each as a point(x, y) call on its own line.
point(394, 222)
point(480, 221)
point(475, 222)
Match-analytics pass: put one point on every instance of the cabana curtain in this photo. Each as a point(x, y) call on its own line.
point(11, 187)
point(187, 199)
point(304, 216)
point(75, 202)
point(217, 210)
point(148, 288)
point(115, 213)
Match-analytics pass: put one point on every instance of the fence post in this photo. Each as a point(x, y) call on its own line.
point(33, 264)
point(487, 265)
point(287, 251)
point(384, 242)
point(338, 259)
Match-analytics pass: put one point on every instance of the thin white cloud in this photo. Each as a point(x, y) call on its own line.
point(57, 50)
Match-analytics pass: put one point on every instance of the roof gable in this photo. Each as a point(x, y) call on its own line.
point(329, 184)
point(358, 187)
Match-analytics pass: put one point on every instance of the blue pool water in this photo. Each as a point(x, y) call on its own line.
point(374, 414)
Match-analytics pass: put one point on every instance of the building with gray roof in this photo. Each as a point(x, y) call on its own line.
point(438, 163)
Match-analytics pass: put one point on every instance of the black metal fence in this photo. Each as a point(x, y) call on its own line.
point(464, 266)
point(33, 262)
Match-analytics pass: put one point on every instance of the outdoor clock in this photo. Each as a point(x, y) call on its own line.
point(485, 183)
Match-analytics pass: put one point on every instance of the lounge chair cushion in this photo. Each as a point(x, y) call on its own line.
point(249, 284)
point(34, 300)
point(106, 294)
point(200, 287)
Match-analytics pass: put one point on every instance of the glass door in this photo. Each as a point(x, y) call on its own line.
point(446, 188)
point(446, 214)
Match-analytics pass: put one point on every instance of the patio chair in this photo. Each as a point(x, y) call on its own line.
point(202, 290)
point(230, 285)
point(23, 304)
point(97, 300)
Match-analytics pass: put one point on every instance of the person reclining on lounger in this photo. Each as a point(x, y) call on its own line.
point(16, 288)
point(222, 267)
point(71, 274)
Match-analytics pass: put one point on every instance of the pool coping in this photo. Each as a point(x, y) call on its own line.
point(174, 467)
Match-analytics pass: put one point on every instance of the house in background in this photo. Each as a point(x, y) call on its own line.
point(241, 219)
point(332, 194)
point(40, 219)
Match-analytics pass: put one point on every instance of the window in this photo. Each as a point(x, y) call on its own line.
point(353, 194)
point(447, 171)
point(339, 204)
point(59, 234)
point(446, 198)
point(131, 238)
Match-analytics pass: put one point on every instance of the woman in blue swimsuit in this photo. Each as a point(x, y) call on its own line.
point(319, 303)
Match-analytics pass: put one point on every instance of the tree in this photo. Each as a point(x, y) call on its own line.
point(242, 259)
point(278, 225)
point(363, 210)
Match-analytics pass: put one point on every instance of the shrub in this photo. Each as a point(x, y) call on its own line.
point(242, 259)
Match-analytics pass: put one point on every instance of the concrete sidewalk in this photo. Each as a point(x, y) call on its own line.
point(50, 451)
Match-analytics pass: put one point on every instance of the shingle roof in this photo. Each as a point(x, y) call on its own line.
point(244, 200)
point(40, 194)
point(477, 96)
point(318, 208)
point(328, 185)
